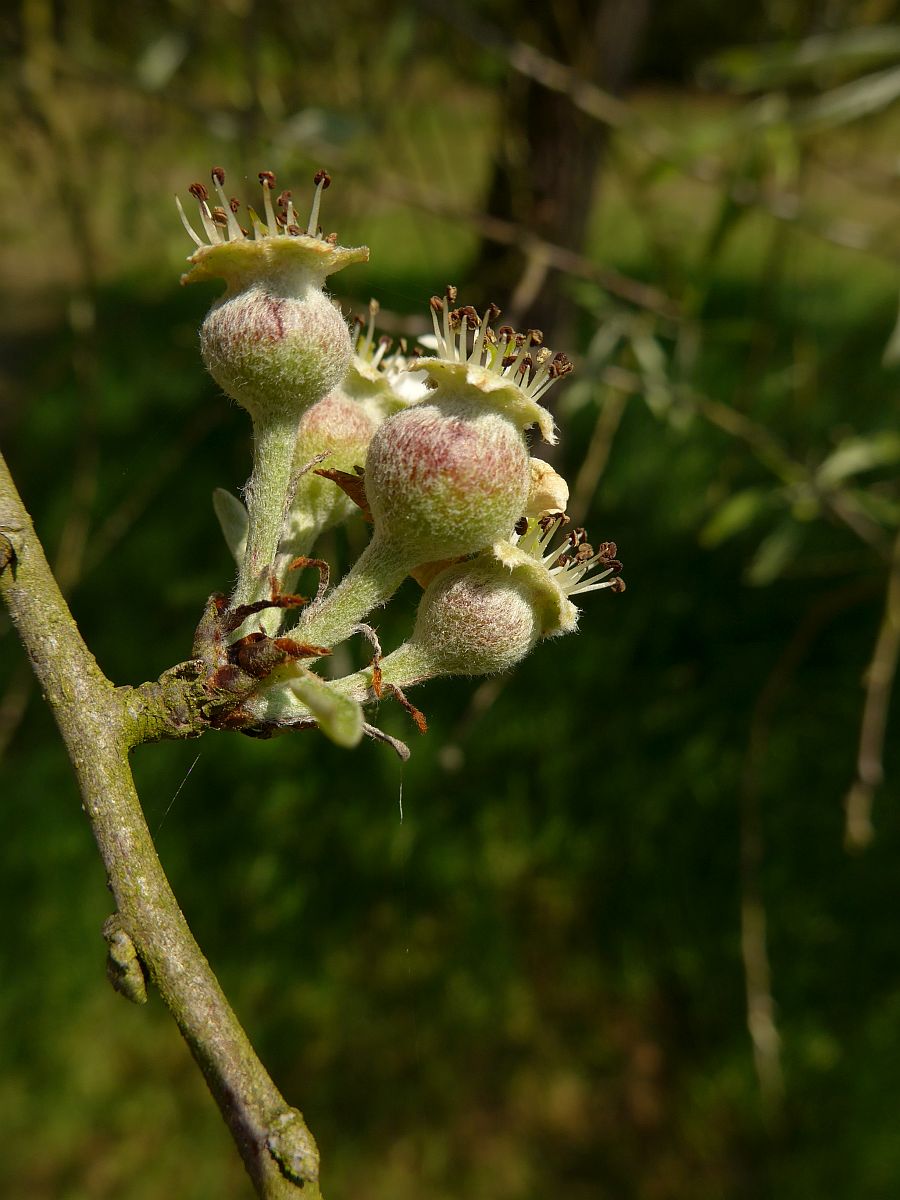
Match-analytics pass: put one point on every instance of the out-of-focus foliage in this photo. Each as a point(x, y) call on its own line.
point(537, 981)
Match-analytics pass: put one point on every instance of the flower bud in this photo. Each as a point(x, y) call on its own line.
point(483, 615)
point(474, 618)
point(275, 347)
point(273, 341)
point(444, 479)
point(553, 574)
point(450, 475)
point(342, 428)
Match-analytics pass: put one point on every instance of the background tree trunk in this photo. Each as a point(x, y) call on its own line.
point(549, 152)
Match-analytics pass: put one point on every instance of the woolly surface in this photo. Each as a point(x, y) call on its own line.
point(275, 353)
point(446, 480)
point(476, 618)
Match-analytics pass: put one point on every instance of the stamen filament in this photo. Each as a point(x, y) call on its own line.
point(187, 225)
point(273, 229)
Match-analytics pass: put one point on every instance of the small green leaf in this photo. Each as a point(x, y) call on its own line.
point(853, 100)
point(737, 512)
point(339, 717)
point(776, 65)
point(882, 509)
point(858, 454)
point(774, 553)
point(651, 363)
point(233, 520)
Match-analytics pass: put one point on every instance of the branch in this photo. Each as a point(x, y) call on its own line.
point(879, 682)
point(657, 142)
point(100, 724)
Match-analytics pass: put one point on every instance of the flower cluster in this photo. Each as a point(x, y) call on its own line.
point(432, 448)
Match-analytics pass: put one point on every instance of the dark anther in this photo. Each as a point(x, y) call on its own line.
point(218, 215)
point(199, 191)
point(584, 552)
point(508, 360)
point(294, 230)
point(284, 198)
point(521, 526)
point(331, 239)
point(617, 585)
point(218, 176)
point(535, 337)
point(386, 340)
point(493, 312)
point(267, 178)
point(450, 292)
point(234, 204)
point(437, 304)
point(280, 219)
point(322, 177)
point(607, 549)
point(560, 366)
point(506, 333)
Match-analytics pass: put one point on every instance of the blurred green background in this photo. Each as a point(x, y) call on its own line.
point(635, 935)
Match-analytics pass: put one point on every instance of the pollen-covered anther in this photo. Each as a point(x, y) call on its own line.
point(560, 366)
point(518, 358)
point(575, 567)
point(281, 219)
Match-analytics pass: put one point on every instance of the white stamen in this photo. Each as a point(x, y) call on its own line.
point(479, 340)
point(187, 225)
point(437, 328)
point(593, 587)
point(314, 211)
point(235, 232)
point(209, 224)
point(273, 227)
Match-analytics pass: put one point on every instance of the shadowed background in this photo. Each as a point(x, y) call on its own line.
point(634, 936)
